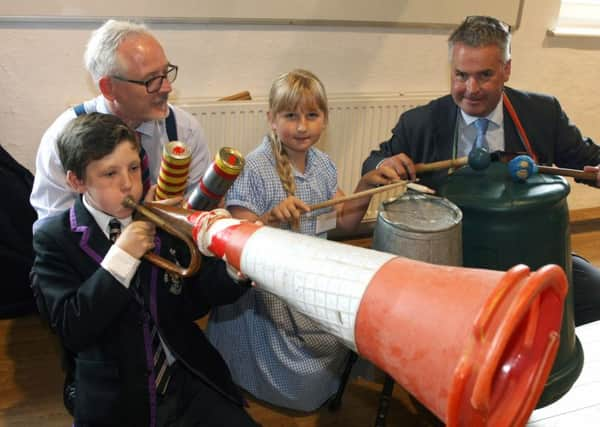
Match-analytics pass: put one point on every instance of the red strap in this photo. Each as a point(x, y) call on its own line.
point(513, 115)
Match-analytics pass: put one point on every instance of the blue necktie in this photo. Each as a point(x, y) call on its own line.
point(481, 125)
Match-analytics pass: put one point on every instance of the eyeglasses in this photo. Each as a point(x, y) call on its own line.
point(488, 20)
point(153, 84)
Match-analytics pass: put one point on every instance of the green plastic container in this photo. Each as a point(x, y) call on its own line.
point(507, 223)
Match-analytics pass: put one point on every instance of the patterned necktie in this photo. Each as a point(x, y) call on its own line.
point(162, 374)
point(481, 125)
point(160, 365)
point(145, 165)
point(114, 229)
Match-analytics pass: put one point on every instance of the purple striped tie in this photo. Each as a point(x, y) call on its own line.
point(162, 374)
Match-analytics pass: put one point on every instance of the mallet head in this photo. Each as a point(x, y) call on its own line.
point(479, 158)
point(521, 168)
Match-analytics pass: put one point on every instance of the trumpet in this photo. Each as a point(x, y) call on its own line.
point(155, 213)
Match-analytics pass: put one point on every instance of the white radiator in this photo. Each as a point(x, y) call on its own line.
point(357, 124)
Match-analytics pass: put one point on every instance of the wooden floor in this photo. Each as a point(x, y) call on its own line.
point(31, 379)
point(31, 389)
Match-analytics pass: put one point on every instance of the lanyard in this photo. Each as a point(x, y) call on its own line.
point(520, 130)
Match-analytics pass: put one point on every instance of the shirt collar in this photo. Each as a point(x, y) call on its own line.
point(310, 156)
point(102, 218)
point(145, 128)
point(101, 105)
point(496, 116)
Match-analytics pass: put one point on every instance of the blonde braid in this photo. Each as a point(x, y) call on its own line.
point(288, 91)
point(284, 170)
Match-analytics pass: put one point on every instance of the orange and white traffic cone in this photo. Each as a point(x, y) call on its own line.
point(475, 346)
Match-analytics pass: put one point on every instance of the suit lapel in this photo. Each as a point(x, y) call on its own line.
point(444, 128)
point(512, 142)
point(95, 244)
point(92, 240)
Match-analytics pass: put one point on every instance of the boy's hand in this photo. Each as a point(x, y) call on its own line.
point(288, 210)
point(137, 238)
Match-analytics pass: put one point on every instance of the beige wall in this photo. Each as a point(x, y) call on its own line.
point(41, 69)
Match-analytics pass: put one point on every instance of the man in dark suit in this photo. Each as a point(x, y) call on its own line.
point(139, 357)
point(479, 52)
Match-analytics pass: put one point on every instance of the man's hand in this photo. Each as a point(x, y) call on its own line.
point(377, 177)
point(596, 170)
point(150, 195)
point(401, 165)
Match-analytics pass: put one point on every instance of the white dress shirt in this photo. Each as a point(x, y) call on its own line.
point(51, 194)
point(117, 262)
point(467, 133)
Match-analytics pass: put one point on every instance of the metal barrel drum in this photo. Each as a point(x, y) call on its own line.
point(421, 227)
point(507, 223)
point(174, 170)
point(217, 179)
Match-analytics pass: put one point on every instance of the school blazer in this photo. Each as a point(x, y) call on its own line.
point(426, 134)
point(102, 323)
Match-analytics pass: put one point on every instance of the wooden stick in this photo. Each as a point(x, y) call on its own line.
point(420, 167)
point(240, 96)
point(442, 164)
point(574, 173)
point(506, 156)
point(358, 195)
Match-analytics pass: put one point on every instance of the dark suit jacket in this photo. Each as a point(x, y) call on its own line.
point(16, 251)
point(426, 134)
point(102, 323)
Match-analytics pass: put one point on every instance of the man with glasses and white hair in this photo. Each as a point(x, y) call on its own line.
point(134, 77)
point(510, 120)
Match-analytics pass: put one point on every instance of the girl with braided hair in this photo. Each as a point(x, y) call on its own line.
point(275, 353)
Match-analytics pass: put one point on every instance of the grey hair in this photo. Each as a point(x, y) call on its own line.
point(100, 56)
point(479, 31)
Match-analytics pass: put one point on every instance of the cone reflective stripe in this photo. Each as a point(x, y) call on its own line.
point(475, 346)
point(217, 179)
point(174, 170)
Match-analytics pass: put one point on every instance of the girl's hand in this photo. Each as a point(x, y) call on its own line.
point(287, 211)
point(376, 178)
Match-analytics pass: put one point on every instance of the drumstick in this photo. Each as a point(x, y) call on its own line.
point(522, 166)
point(358, 195)
point(442, 164)
point(573, 173)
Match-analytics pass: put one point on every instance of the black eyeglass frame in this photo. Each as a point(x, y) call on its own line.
point(151, 80)
point(490, 21)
